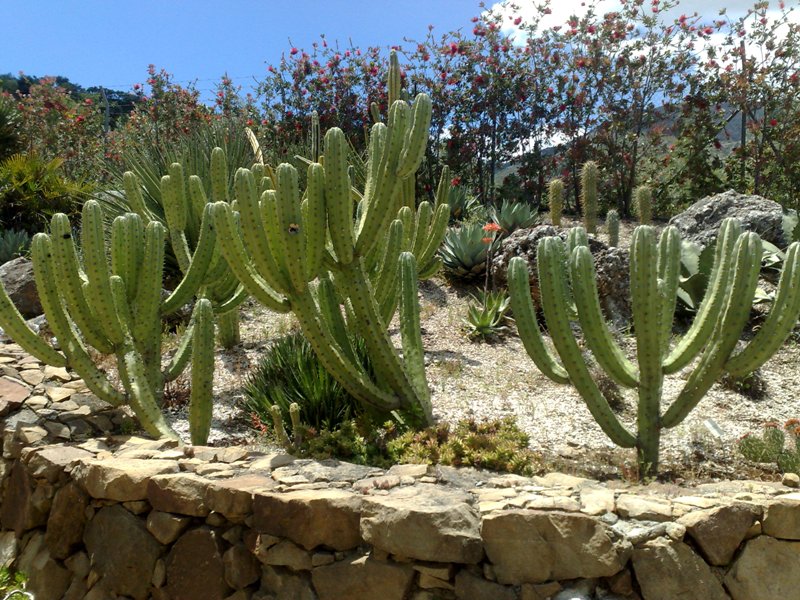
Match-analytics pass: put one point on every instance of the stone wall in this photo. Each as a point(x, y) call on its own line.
point(125, 517)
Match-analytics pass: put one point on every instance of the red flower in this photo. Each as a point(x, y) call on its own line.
point(455, 181)
point(491, 227)
point(518, 20)
point(487, 240)
point(773, 122)
point(293, 51)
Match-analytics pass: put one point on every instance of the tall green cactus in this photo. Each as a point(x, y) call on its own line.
point(277, 247)
point(556, 201)
point(184, 199)
point(590, 174)
point(612, 225)
point(116, 308)
point(655, 266)
point(643, 203)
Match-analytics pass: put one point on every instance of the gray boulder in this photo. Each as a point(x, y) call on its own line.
point(700, 222)
point(17, 277)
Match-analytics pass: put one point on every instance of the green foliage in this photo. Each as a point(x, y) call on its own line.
point(13, 244)
point(10, 122)
point(33, 189)
point(463, 205)
point(696, 266)
point(464, 251)
point(772, 446)
point(12, 583)
point(514, 215)
point(487, 314)
point(290, 372)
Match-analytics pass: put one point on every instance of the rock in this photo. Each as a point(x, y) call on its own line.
point(310, 518)
point(287, 554)
point(19, 511)
point(782, 520)
point(528, 546)
point(542, 591)
point(666, 569)
point(765, 570)
point(719, 531)
point(47, 579)
point(12, 395)
point(17, 278)
point(612, 266)
point(363, 578)
point(597, 500)
point(67, 520)
point(241, 567)
point(51, 462)
point(166, 527)
point(233, 497)
point(286, 584)
point(121, 479)
point(8, 548)
point(121, 551)
point(181, 493)
point(195, 568)
point(791, 480)
point(642, 508)
point(472, 587)
point(700, 222)
point(423, 525)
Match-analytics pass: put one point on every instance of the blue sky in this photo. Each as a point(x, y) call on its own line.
point(111, 42)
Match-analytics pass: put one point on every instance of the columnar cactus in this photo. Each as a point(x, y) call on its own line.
point(612, 224)
point(556, 201)
point(184, 199)
point(655, 268)
point(643, 202)
point(276, 245)
point(116, 308)
point(590, 175)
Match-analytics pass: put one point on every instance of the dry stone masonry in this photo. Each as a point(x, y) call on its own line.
point(92, 515)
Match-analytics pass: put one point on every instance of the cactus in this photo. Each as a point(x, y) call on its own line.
point(643, 202)
point(654, 280)
point(590, 174)
point(556, 201)
point(183, 198)
point(612, 224)
point(277, 247)
point(770, 447)
point(116, 308)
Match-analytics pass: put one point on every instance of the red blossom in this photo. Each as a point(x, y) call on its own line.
point(491, 227)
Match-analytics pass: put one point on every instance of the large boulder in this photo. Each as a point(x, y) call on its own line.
point(17, 277)
point(700, 222)
point(612, 266)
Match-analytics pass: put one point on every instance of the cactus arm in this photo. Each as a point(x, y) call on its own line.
point(431, 268)
point(387, 271)
point(379, 212)
point(375, 149)
point(127, 233)
point(233, 301)
point(315, 220)
point(705, 319)
point(669, 266)
point(421, 228)
point(331, 316)
point(183, 353)
point(417, 139)
point(176, 215)
point(15, 327)
point(271, 224)
point(589, 179)
point(219, 175)
point(72, 280)
point(337, 195)
point(780, 322)
point(200, 404)
point(576, 236)
point(612, 225)
point(646, 306)
point(133, 193)
point(550, 261)
point(413, 354)
point(394, 78)
point(525, 316)
point(228, 333)
point(77, 358)
point(443, 188)
point(739, 299)
point(406, 216)
point(98, 290)
point(331, 358)
point(605, 350)
point(290, 223)
point(198, 266)
point(426, 259)
point(234, 252)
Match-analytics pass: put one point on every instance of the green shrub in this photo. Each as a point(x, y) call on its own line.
point(12, 584)
point(291, 372)
point(13, 244)
point(10, 122)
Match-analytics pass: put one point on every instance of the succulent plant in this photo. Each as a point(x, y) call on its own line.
point(590, 174)
point(556, 201)
point(770, 447)
point(464, 251)
point(643, 202)
point(13, 244)
point(612, 224)
point(655, 267)
point(514, 215)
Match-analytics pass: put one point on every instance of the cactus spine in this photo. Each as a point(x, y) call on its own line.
point(643, 202)
point(590, 174)
point(556, 201)
point(116, 310)
point(654, 279)
point(612, 224)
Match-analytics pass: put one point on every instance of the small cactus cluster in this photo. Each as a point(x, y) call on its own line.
point(114, 304)
point(655, 274)
point(770, 447)
point(556, 201)
point(612, 225)
point(590, 175)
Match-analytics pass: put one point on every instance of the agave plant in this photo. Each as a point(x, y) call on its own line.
point(464, 251)
point(487, 314)
point(463, 205)
point(514, 215)
point(13, 244)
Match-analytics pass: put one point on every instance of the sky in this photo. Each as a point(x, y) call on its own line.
point(111, 42)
